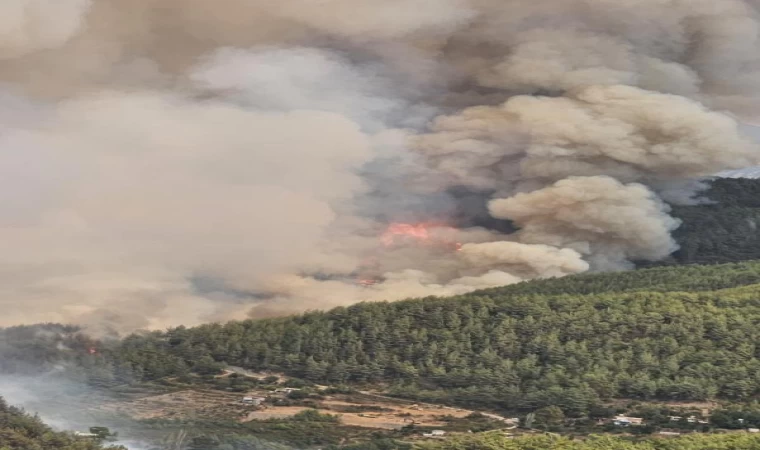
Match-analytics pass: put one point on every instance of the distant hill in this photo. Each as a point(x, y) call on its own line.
point(748, 172)
point(726, 230)
point(671, 333)
point(674, 332)
point(20, 431)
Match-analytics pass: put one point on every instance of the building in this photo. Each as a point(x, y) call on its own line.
point(255, 401)
point(623, 421)
point(84, 434)
point(435, 434)
point(286, 390)
point(690, 419)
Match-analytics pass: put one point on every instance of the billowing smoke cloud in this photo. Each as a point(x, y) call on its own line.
point(597, 216)
point(27, 26)
point(179, 161)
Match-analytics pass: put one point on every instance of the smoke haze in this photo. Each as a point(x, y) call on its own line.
point(172, 162)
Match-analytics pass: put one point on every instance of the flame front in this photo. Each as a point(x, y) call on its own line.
point(423, 232)
point(397, 234)
point(395, 230)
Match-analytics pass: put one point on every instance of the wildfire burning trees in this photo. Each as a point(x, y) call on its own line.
point(430, 235)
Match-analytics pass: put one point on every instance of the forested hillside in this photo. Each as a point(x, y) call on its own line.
point(20, 431)
point(568, 342)
point(724, 230)
point(677, 333)
point(694, 442)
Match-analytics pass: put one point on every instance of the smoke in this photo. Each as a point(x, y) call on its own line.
point(29, 26)
point(597, 216)
point(180, 161)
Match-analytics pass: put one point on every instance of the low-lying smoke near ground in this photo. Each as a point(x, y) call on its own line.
point(180, 161)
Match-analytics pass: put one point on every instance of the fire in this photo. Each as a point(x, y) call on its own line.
point(424, 233)
point(418, 231)
point(398, 234)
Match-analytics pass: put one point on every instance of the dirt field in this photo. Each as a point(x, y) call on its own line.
point(362, 410)
point(182, 404)
point(393, 415)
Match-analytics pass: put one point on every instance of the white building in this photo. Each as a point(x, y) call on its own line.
point(84, 434)
point(255, 401)
point(435, 434)
point(623, 421)
point(286, 390)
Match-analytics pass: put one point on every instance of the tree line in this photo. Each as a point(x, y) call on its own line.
point(670, 333)
point(21, 431)
point(493, 441)
point(722, 227)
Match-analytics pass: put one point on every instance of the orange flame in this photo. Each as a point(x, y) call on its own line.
point(425, 233)
point(420, 232)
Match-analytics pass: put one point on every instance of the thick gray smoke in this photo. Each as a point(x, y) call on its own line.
point(180, 161)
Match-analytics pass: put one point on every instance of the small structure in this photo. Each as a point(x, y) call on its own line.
point(85, 434)
point(690, 419)
point(435, 434)
point(255, 401)
point(753, 430)
point(98, 433)
point(623, 421)
point(287, 390)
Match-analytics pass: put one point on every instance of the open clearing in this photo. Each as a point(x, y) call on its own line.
point(182, 404)
point(379, 414)
point(354, 410)
point(359, 409)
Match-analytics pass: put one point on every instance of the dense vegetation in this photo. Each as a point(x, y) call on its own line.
point(668, 333)
point(724, 230)
point(494, 441)
point(676, 333)
point(20, 431)
point(306, 429)
point(673, 332)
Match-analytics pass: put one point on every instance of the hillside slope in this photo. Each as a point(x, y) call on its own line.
point(20, 431)
point(694, 442)
point(722, 231)
point(679, 333)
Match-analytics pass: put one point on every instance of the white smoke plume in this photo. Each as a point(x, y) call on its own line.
point(180, 161)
